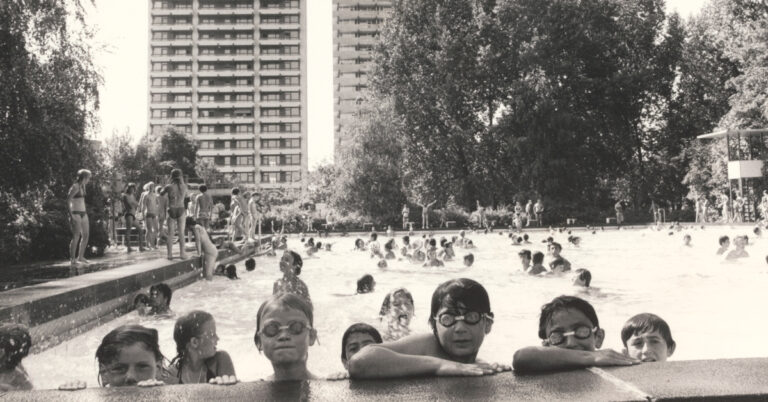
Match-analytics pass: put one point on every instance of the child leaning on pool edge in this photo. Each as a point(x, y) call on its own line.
point(284, 333)
point(647, 337)
point(14, 346)
point(571, 337)
point(197, 360)
point(460, 318)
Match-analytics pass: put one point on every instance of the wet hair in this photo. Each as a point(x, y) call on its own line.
point(389, 245)
point(406, 240)
point(386, 305)
point(297, 261)
point(519, 239)
point(526, 254)
point(432, 242)
point(365, 284)
point(525, 236)
point(311, 242)
point(584, 275)
point(469, 259)
point(250, 264)
point(123, 336)
point(563, 303)
point(164, 289)
point(538, 257)
point(374, 236)
point(382, 264)
point(140, 298)
point(644, 323)
point(220, 268)
point(187, 327)
point(359, 242)
point(359, 328)
point(203, 188)
point(757, 231)
point(15, 341)
point(82, 174)
point(463, 290)
point(443, 241)
point(287, 301)
point(235, 191)
point(231, 271)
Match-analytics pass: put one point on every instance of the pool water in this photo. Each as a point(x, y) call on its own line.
point(716, 308)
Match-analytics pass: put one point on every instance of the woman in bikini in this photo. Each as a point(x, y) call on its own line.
point(176, 192)
point(78, 218)
point(129, 205)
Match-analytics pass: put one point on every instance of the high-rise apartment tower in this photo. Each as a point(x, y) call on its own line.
point(356, 26)
point(233, 75)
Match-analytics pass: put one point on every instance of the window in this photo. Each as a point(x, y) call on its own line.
point(182, 67)
point(243, 113)
point(244, 128)
point(244, 35)
point(182, 51)
point(183, 113)
point(270, 177)
point(240, 82)
point(291, 159)
point(181, 82)
point(244, 97)
point(281, 143)
point(182, 35)
point(280, 19)
point(160, 98)
point(160, 35)
point(244, 50)
point(270, 160)
point(182, 98)
point(159, 82)
point(159, 51)
point(181, 20)
point(243, 66)
point(280, 34)
point(206, 129)
point(279, 3)
point(244, 177)
point(281, 127)
point(244, 144)
point(160, 19)
point(244, 160)
point(159, 113)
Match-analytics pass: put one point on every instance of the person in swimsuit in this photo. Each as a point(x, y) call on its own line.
point(78, 218)
point(129, 205)
point(197, 361)
point(406, 213)
point(425, 214)
point(149, 208)
point(176, 191)
point(238, 215)
point(255, 210)
point(204, 207)
point(162, 213)
point(290, 265)
point(205, 247)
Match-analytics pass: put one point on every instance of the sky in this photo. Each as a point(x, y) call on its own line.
point(121, 42)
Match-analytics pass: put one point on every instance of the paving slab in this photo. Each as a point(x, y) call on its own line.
point(570, 386)
point(732, 379)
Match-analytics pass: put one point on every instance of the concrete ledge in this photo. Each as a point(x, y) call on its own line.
point(734, 380)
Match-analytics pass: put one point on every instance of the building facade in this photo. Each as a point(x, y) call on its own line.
point(233, 75)
point(356, 26)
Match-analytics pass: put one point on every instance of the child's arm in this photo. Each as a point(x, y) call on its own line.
point(543, 358)
point(407, 357)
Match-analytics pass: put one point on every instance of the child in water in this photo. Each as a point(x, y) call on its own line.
point(197, 360)
point(738, 252)
point(469, 259)
point(366, 284)
point(284, 334)
point(647, 337)
point(725, 242)
point(142, 304)
point(396, 313)
point(557, 259)
point(582, 277)
point(128, 355)
point(290, 266)
point(204, 246)
point(571, 337)
point(14, 346)
point(460, 318)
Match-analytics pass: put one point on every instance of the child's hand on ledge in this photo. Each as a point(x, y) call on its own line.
point(150, 383)
point(610, 357)
point(341, 375)
point(449, 368)
point(73, 386)
point(496, 367)
point(223, 380)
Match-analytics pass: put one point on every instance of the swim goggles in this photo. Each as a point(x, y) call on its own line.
point(582, 332)
point(471, 318)
point(294, 327)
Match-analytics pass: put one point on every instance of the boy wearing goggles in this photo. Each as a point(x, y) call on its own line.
point(284, 333)
point(460, 318)
point(570, 325)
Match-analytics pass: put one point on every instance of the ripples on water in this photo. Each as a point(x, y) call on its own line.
point(716, 309)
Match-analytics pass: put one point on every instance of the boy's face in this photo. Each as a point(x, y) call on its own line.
point(568, 320)
point(525, 261)
point(726, 243)
point(577, 281)
point(648, 347)
point(285, 347)
point(158, 299)
point(355, 342)
point(401, 309)
point(461, 339)
point(134, 363)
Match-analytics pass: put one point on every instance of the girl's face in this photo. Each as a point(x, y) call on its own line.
point(402, 308)
point(207, 340)
point(286, 264)
point(285, 347)
point(134, 363)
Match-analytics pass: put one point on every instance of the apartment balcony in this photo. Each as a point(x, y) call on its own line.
point(225, 89)
point(225, 73)
point(170, 105)
point(225, 11)
point(166, 90)
point(268, 42)
point(279, 119)
point(225, 136)
point(348, 94)
point(171, 11)
point(281, 73)
point(278, 11)
point(225, 42)
point(227, 105)
point(226, 120)
point(225, 151)
point(226, 27)
point(280, 104)
point(280, 26)
point(177, 74)
point(348, 14)
point(167, 58)
point(278, 168)
point(279, 88)
point(236, 168)
point(225, 57)
point(350, 81)
point(170, 121)
point(170, 27)
point(279, 57)
point(168, 42)
point(356, 40)
point(351, 68)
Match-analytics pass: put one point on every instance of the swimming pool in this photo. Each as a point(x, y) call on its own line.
point(716, 309)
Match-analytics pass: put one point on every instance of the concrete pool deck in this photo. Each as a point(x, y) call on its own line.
point(60, 309)
point(727, 379)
